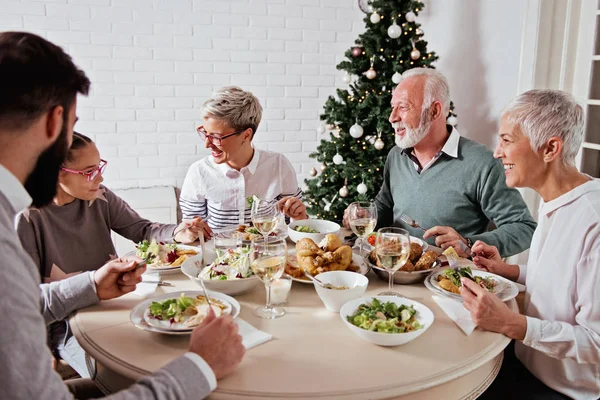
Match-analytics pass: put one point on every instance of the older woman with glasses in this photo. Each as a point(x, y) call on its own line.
point(73, 234)
point(557, 338)
point(219, 188)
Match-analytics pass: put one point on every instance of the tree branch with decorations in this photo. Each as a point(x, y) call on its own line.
point(358, 133)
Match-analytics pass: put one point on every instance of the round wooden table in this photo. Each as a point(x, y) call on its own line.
point(313, 355)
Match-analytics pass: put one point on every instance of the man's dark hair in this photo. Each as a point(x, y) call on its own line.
point(35, 77)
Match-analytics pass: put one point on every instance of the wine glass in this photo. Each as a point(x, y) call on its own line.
point(267, 260)
point(362, 217)
point(392, 248)
point(265, 216)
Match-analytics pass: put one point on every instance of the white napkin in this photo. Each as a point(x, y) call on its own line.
point(457, 313)
point(144, 288)
point(251, 336)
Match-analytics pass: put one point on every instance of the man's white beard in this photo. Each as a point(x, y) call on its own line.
point(413, 136)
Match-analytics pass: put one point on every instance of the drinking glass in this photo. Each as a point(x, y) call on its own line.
point(267, 260)
point(362, 217)
point(265, 216)
point(227, 238)
point(392, 248)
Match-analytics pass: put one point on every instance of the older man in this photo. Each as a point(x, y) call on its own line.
point(449, 184)
point(37, 112)
point(557, 340)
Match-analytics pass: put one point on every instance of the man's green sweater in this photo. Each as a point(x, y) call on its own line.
point(464, 193)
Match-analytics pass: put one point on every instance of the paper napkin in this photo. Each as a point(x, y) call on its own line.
point(457, 313)
point(251, 337)
point(145, 288)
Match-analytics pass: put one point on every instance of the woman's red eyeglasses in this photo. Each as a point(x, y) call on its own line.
point(91, 175)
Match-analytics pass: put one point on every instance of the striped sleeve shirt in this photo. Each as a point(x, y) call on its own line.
point(218, 193)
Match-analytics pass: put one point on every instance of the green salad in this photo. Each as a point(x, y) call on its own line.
point(305, 229)
point(385, 317)
point(172, 309)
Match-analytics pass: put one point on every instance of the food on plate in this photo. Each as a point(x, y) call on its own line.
point(161, 255)
point(385, 317)
point(328, 255)
point(424, 262)
point(449, 280)
point(249, 232)
point(416, 250)
point(305, 229)
point(450, 252)
point(230, 264)
point(372, 238)
point(187, 310)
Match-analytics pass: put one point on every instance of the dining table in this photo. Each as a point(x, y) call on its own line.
point(312, 354)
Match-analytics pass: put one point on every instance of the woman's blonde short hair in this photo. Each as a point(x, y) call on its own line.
point(238, 108)
point(542, 114)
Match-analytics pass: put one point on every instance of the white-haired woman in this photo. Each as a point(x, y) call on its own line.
point(558, 337)
point(217, 187)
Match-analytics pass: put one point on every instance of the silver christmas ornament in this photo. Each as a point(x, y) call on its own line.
point(356, 131)
point(379, 144)
point(344, 191)
point(346, 78)
point(397, 78)
point(419, 31)
point(375, 18)
point(371, 73)
point(394, 31)
point(320, 129)
point(410, 16)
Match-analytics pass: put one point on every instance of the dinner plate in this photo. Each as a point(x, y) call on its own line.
point(139, 318)
point(505, 290)
point(356, 259)
point(167, 269)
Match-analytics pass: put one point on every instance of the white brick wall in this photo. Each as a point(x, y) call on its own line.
point(153, 63)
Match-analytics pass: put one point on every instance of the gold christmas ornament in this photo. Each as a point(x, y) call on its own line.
point(371, 73)
point(415, 54)
point(379, 144)
point(344, 191)
point(323, 166)
point(313, 171)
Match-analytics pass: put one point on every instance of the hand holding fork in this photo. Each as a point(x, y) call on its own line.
point(445, 236)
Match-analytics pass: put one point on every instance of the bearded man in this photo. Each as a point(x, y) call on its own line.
point(451, 185)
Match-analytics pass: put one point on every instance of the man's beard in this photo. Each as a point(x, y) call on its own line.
point(43, 181)
point(412, 136)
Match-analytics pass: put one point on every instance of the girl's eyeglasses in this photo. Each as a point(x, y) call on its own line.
point(216, 140)
point(91, 175)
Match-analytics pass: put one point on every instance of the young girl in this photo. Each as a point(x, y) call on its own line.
point(73, 234)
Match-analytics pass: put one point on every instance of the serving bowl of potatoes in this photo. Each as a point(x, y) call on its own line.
point(418, 266)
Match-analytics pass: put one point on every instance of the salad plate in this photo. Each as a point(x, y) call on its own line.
point(501, 287)
point(172, 310)
point(163, 258)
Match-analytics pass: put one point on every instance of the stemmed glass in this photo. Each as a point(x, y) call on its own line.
point(392, 248)
point(362, 217)
point(265, 216)
point(267, 260)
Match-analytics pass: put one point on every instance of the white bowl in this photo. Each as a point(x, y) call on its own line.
point(424, 316)
point(324, 228)
point(231, 287)
point(335, 299)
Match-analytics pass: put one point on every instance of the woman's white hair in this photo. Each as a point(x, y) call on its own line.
point(231, 104)
point(436, 87)
point(542, 114)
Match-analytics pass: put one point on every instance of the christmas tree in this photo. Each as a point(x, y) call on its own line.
point(359, 133)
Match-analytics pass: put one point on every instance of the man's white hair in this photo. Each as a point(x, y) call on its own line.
point(231, 104)
point(542, 114)
point(436, 87)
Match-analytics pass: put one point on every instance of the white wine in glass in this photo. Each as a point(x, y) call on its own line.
point(392, 247)
point(267, 260)
point(265, 216)
point(362, 217)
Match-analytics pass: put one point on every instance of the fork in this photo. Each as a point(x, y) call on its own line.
point(411, 222)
